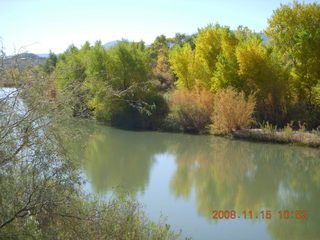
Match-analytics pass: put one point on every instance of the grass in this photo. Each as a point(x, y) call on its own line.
point(286, 135)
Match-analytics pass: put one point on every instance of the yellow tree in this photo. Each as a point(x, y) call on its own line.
point(195, 68)
point(262, 74)
point(294, 30)
point(183, 65)
point(212, 42)
point(227, 67)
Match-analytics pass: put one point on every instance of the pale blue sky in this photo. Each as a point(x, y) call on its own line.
point(40, 25)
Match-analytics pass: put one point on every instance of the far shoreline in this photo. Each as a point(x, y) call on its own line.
point(297, 138)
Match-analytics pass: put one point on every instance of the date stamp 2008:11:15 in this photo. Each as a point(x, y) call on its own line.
point(263, 214)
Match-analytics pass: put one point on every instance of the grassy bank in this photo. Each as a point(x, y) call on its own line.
point(310, 139)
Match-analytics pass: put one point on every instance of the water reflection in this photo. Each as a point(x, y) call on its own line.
point(248, 176)
point(116, 158)
point(224, 174)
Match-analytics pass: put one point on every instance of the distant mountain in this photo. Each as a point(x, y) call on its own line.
point(23, 60)
point(43, 55)
point(110, 44)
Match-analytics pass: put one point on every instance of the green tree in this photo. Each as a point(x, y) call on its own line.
point(159, 44)
point(40, 185)
point(180, 39)
point(70, 75)
point(50, 63)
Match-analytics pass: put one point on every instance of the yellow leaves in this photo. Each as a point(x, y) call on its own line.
point(162, 71)
point(252, 58)
point(182, 61)
point(295, 32)
point(208, 47)
point(195, 68)
point(289, 19)
point(257, 67)
point(210, 43)
point(162, 63)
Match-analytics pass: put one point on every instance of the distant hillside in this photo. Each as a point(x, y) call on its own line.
point(23, 60)
point(110, 44)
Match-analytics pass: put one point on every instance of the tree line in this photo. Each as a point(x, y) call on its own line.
point(134, 86)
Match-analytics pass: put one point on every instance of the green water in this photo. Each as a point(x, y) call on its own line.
point(186, 177)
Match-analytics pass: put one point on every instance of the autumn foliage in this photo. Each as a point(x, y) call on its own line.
point(232, 111)
point(192, 109)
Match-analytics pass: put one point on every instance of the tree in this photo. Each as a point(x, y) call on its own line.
point(195, 68)
point(122, 67)
point(96, 69)
point(40, 185)
point(129, 65)
point(70, 76)
point(50, 63)
point(162, 71)
point(180, 39)
point(183, 65)
point(261, 74)
point(210, 43)
point(294, 30)
point(159, 44)
point(118, 81)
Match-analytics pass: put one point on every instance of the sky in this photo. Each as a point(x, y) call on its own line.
point(38, 26)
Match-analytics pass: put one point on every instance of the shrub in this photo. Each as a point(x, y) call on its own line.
point(267, 127)
point(172, 123)
point(143, 112)
point(232, 110)
point(192, 109)
point(288, 130)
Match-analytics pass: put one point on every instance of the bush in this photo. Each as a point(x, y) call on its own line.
point(144, 113)
point(192, 109)
point(232, 110)
point(172, 123)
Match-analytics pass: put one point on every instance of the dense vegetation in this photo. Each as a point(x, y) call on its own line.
point(216, 78)
point(134, 86)
point(41, 186)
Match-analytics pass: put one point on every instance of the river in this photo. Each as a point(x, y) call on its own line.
point(186, 178)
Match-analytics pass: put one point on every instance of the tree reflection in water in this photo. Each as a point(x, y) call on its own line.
point(225, 174)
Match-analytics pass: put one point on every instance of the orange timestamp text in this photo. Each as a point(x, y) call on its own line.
point(263, 214)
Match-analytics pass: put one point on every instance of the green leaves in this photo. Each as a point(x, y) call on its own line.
point(50, 63)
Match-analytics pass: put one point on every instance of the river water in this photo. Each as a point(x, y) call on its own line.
point(273, 189)
point(186, 178)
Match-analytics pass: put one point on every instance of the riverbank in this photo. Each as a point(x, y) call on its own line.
point(267, 135)
point(310, 139)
